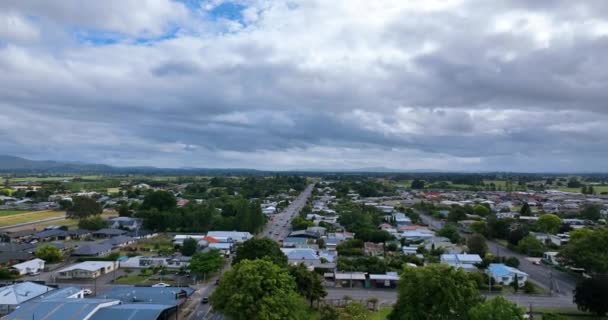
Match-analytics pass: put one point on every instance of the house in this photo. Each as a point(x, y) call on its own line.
point(10, 258)
point(230, 236)
point(179, 239)
point(125, 223)
point(291, 242)
point(410, 250)
point(175, 261)
point(373, 249)
point(402, 220)
point(388, 280)
point(108, 233)
point(307, 256)
point(551, 257)
point(51, 235)
point(86, 270)
point(79, 233)
point(119, 242)
point(506, 275)
point(17, 236)
point(464, 261)
point(62, 309)
point(417, 234)
point(93, 250)
point(12, 296)
point(29, 267)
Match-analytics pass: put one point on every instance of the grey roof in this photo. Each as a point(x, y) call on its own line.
point(57, 309)
point(295, 240)
point(166, 296)
point(60, 293)
point(140, 311)
point(118, 240)
point(16, 247)
point(92, 249)
point(15, 256)
point(50, 233)
point(79, 232)
point(18, 293)
point(109, 232)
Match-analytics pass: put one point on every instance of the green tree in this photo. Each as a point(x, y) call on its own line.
point(258, 290)
point(498, 308)
point(479, 227)
point(83, 207)
point(417, 184)
point(308, 283)
point(549, 223)
point(457, 213)
point(435, 292)
point(477, 244)
point(189, 247)
point(92, 223)
point(591, 212)
point(592, 294)
point(531, 246)
point(328, 312)
point(525, 210)
point(587, 249)
point(481, 211)
point(204, 263)
point(48, 253)
point(258, 249)
point(161, 200)
point(354, 311)
point(450, 231)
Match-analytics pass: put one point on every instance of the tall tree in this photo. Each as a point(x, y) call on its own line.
point(477, 244)
point(189, 247)
point(498, 308)
point(48, 253)
point(258, 249)
point(92, 223)
point(83, 207)
point(549, 223)
point(525, 210)
point(308, 283)
point(587, 249)
point(435, 292)
point(205, 263)
point(591, 212)
point(161, 200)
point(531, 246)
point(258, 290)
point(592, 295)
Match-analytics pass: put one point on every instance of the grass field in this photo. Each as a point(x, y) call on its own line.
point(43, 179)
point(4, 213)
point(382, 314)
point(8, 220)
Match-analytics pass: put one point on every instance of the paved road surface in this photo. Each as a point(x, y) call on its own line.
point(561, 283)
point(280, 225)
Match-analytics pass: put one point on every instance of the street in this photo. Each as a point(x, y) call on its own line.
point(544, 276)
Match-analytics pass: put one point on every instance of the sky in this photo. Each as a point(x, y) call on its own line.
point(454, 85)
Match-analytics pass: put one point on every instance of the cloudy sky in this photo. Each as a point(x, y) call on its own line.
point(289, 84)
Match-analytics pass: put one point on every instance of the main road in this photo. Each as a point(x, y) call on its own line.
point(278, 228)
point(279, 225)
point(545, 276)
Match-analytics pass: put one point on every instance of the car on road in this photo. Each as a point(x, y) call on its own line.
point(205, 300)
point(87, 292)
point(161, 285)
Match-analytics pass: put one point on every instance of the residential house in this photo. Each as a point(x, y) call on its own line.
point(51, 235)
point(291, 242)
point(465, 261)
point(179, 239)
point(127, 223)
point(93, 250)
point(29, 267)
point(387, 280)
point(108, 233)
point(307, 256)
point(230, 236)
point(12, 296)
point(86, 270)
point(505, 275)
point(119, 241)
point(551, 257)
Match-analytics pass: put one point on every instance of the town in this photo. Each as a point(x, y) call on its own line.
point(156, 247)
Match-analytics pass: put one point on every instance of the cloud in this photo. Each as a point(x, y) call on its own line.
point(462, 85)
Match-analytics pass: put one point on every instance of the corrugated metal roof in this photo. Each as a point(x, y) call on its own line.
point(59, 309)
point(131, 312)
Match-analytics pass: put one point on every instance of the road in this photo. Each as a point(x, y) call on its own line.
point(277, 229)
point(280, 225)
point(545, 276)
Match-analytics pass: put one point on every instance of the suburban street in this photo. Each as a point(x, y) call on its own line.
point(559, 282)
point(279, 226)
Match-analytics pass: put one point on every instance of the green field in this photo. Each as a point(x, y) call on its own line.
point(52, 178)
point(23, 217)
point(4, 213)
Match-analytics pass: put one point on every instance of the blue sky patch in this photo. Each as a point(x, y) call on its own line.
point(228, 10)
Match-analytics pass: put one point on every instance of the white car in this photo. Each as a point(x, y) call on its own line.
point(161, 285)
point(87, 292)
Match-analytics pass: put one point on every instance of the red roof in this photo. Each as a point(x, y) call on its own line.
point(211, 239)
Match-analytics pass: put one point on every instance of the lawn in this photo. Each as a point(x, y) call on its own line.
point(4, 213)
point(48, 179)
point(8, 220)
point(382, 314)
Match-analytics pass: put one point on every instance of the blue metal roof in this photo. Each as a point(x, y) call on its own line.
point(131, 312)
point(57, 309)
point(165, 296)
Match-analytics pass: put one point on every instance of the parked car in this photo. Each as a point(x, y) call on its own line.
point(205, 300)
point(87, 292)
point(161, 285)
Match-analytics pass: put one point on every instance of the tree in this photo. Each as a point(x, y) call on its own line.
point(531, 246)
point(498, 308)
point(92, 223)
point(456, 214)
point(525, 210)
point(512, 262)
point(204, 263)
point(258, 289)
point(161, 200)
point(328, 312)
point(48, 253)
point(417, 184)
point(477, 244)
point(592, 294)
point(189, 247)
point(308, 283)
point(260, 248)
point(435, 292)
point(587, 249)
point(481, 211)
point(124, 211)
point(83, 207)
point(321, 243)
point(549, 223)
point(354, 311)
point(591, 212)
point(517, 233)
point(479, 227)
point(450, 231)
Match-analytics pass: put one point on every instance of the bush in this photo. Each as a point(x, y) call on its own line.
point(529, 287)
point(512, 262)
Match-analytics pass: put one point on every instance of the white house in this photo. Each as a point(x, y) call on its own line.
point(506, 275)
point(29, 267)
point(14, 295)
point(230, 236)
point(551, 257)
point(86, 270)
point(465, 261)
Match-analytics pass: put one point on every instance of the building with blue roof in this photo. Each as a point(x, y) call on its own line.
point(140, 311)
point(505, 275)
point(166, 296)
point(60, 309)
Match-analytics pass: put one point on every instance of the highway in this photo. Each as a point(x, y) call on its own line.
point(545, 276)
point(277, 229)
